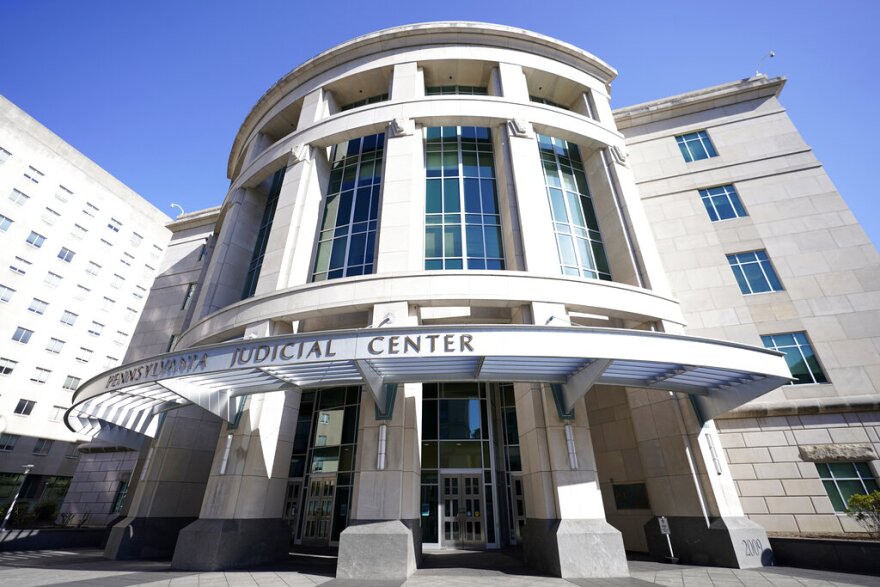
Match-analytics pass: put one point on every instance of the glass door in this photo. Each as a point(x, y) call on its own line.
point(463, 513)
point(319, 510)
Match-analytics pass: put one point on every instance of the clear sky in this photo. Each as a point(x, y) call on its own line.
point(154, 90)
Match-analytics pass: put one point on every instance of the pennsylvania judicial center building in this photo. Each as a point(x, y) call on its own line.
point(453, 300)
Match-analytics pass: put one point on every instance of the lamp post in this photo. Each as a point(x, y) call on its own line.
point(27, 469)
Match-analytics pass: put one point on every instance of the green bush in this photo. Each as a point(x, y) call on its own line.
point(865, 509)
point(46, 511)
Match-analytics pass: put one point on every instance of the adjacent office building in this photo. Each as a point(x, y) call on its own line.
point(78, 254)
point(454, 300)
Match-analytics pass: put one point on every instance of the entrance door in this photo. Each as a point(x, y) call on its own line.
point(319, 510)
point(463, 515)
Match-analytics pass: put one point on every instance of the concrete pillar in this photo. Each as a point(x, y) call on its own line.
point(689, 482)
point(539, 254)
point(513, 82)
point(234, 246)
point(566, 533)
point(407, 82)
point(168, 486)
point(240, 522)
point(401, 224)
point(383, 540)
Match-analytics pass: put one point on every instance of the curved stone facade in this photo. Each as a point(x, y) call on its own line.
point(431, 310)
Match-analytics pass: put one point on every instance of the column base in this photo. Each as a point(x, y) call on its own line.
point(218, 544)
point(734, 542)
point(383, 550)
point(144, 538)
point(574, 549)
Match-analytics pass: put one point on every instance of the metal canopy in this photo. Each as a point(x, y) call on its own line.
point(720, 375)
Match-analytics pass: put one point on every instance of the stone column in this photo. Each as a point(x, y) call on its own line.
point(168, 486)
point(383, 539)
point(240, 522)
point(400, 244)
point(566, 533)
point(689, 482)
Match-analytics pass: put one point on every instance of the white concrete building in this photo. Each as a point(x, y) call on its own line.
point(78, 254)
point(453, 300)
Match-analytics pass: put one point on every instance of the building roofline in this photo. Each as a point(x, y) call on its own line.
point(445, 32)
point(39, 132)
point(195, 218)
point(705, 99)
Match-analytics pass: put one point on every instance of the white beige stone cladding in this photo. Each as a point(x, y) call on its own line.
point(94, 488)
point(828, 268)
point(779, 488)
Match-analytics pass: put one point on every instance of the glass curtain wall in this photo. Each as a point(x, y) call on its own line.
point(347, 240)
point(455, 436)
point(581, 252)
point(462, 221)
point(322, 464)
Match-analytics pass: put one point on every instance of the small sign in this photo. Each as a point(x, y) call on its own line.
point(664, 525)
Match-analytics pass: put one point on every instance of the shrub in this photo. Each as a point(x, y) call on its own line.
point(865, 509)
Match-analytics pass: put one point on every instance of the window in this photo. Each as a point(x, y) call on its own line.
point(93, 269)
point(250, 282)
point(802, 361)
point(96, 328)
point(364, 102)
point(120, 338)
point(540, 100)
point(63, 194)
point(695, 146)
point(4, 155)
point(171, 342)
point(110, 362)
point(187, 297)
point(157, 250)
point(5, 223)
point(7, 366)
point(90, 209)
point(722, 203)
point(456, 90)
point(66, 254)
point(106, 242)
point(52, 279)
point(124, 262)
point(136, 239)
point(84, 356)
point(114, 225)
point(19, 198)
point(55, 345)
point(7, 442)
point(19, 265)
point(119, 499)
point(50, 216)
point(5, 293)
point(116, 283)
point(57, 413)
point(78, 232)
point(107, 304)
point(203, 251)
point(81, 292)
point(462, 221)
point(41, 375)
point(71, 382)
point(35, 239)
point(130, 314)
point(38, 306)
point(753, 272)
point(33, 174)
point(68, 317)
point(25, 407)
point(42, 446)
point(22, 335)
point(72, 451)
point(139, 292)
point(843, 480)
point(578, 239)
point(149, 269)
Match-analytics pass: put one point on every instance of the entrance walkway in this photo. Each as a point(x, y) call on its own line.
point(87, 567)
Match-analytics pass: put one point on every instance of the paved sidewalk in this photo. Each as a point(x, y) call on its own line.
point(87, 567)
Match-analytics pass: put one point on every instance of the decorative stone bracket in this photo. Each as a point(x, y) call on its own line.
point(518, 127)
point(401, 127)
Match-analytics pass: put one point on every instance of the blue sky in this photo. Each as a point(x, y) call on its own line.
point(154, 91)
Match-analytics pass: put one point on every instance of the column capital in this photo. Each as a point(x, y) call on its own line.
point(401, 127)
point(520, 128)
point(298, 153)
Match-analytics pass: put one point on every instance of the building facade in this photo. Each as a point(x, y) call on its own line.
point(79, 254)
point(453, 300)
